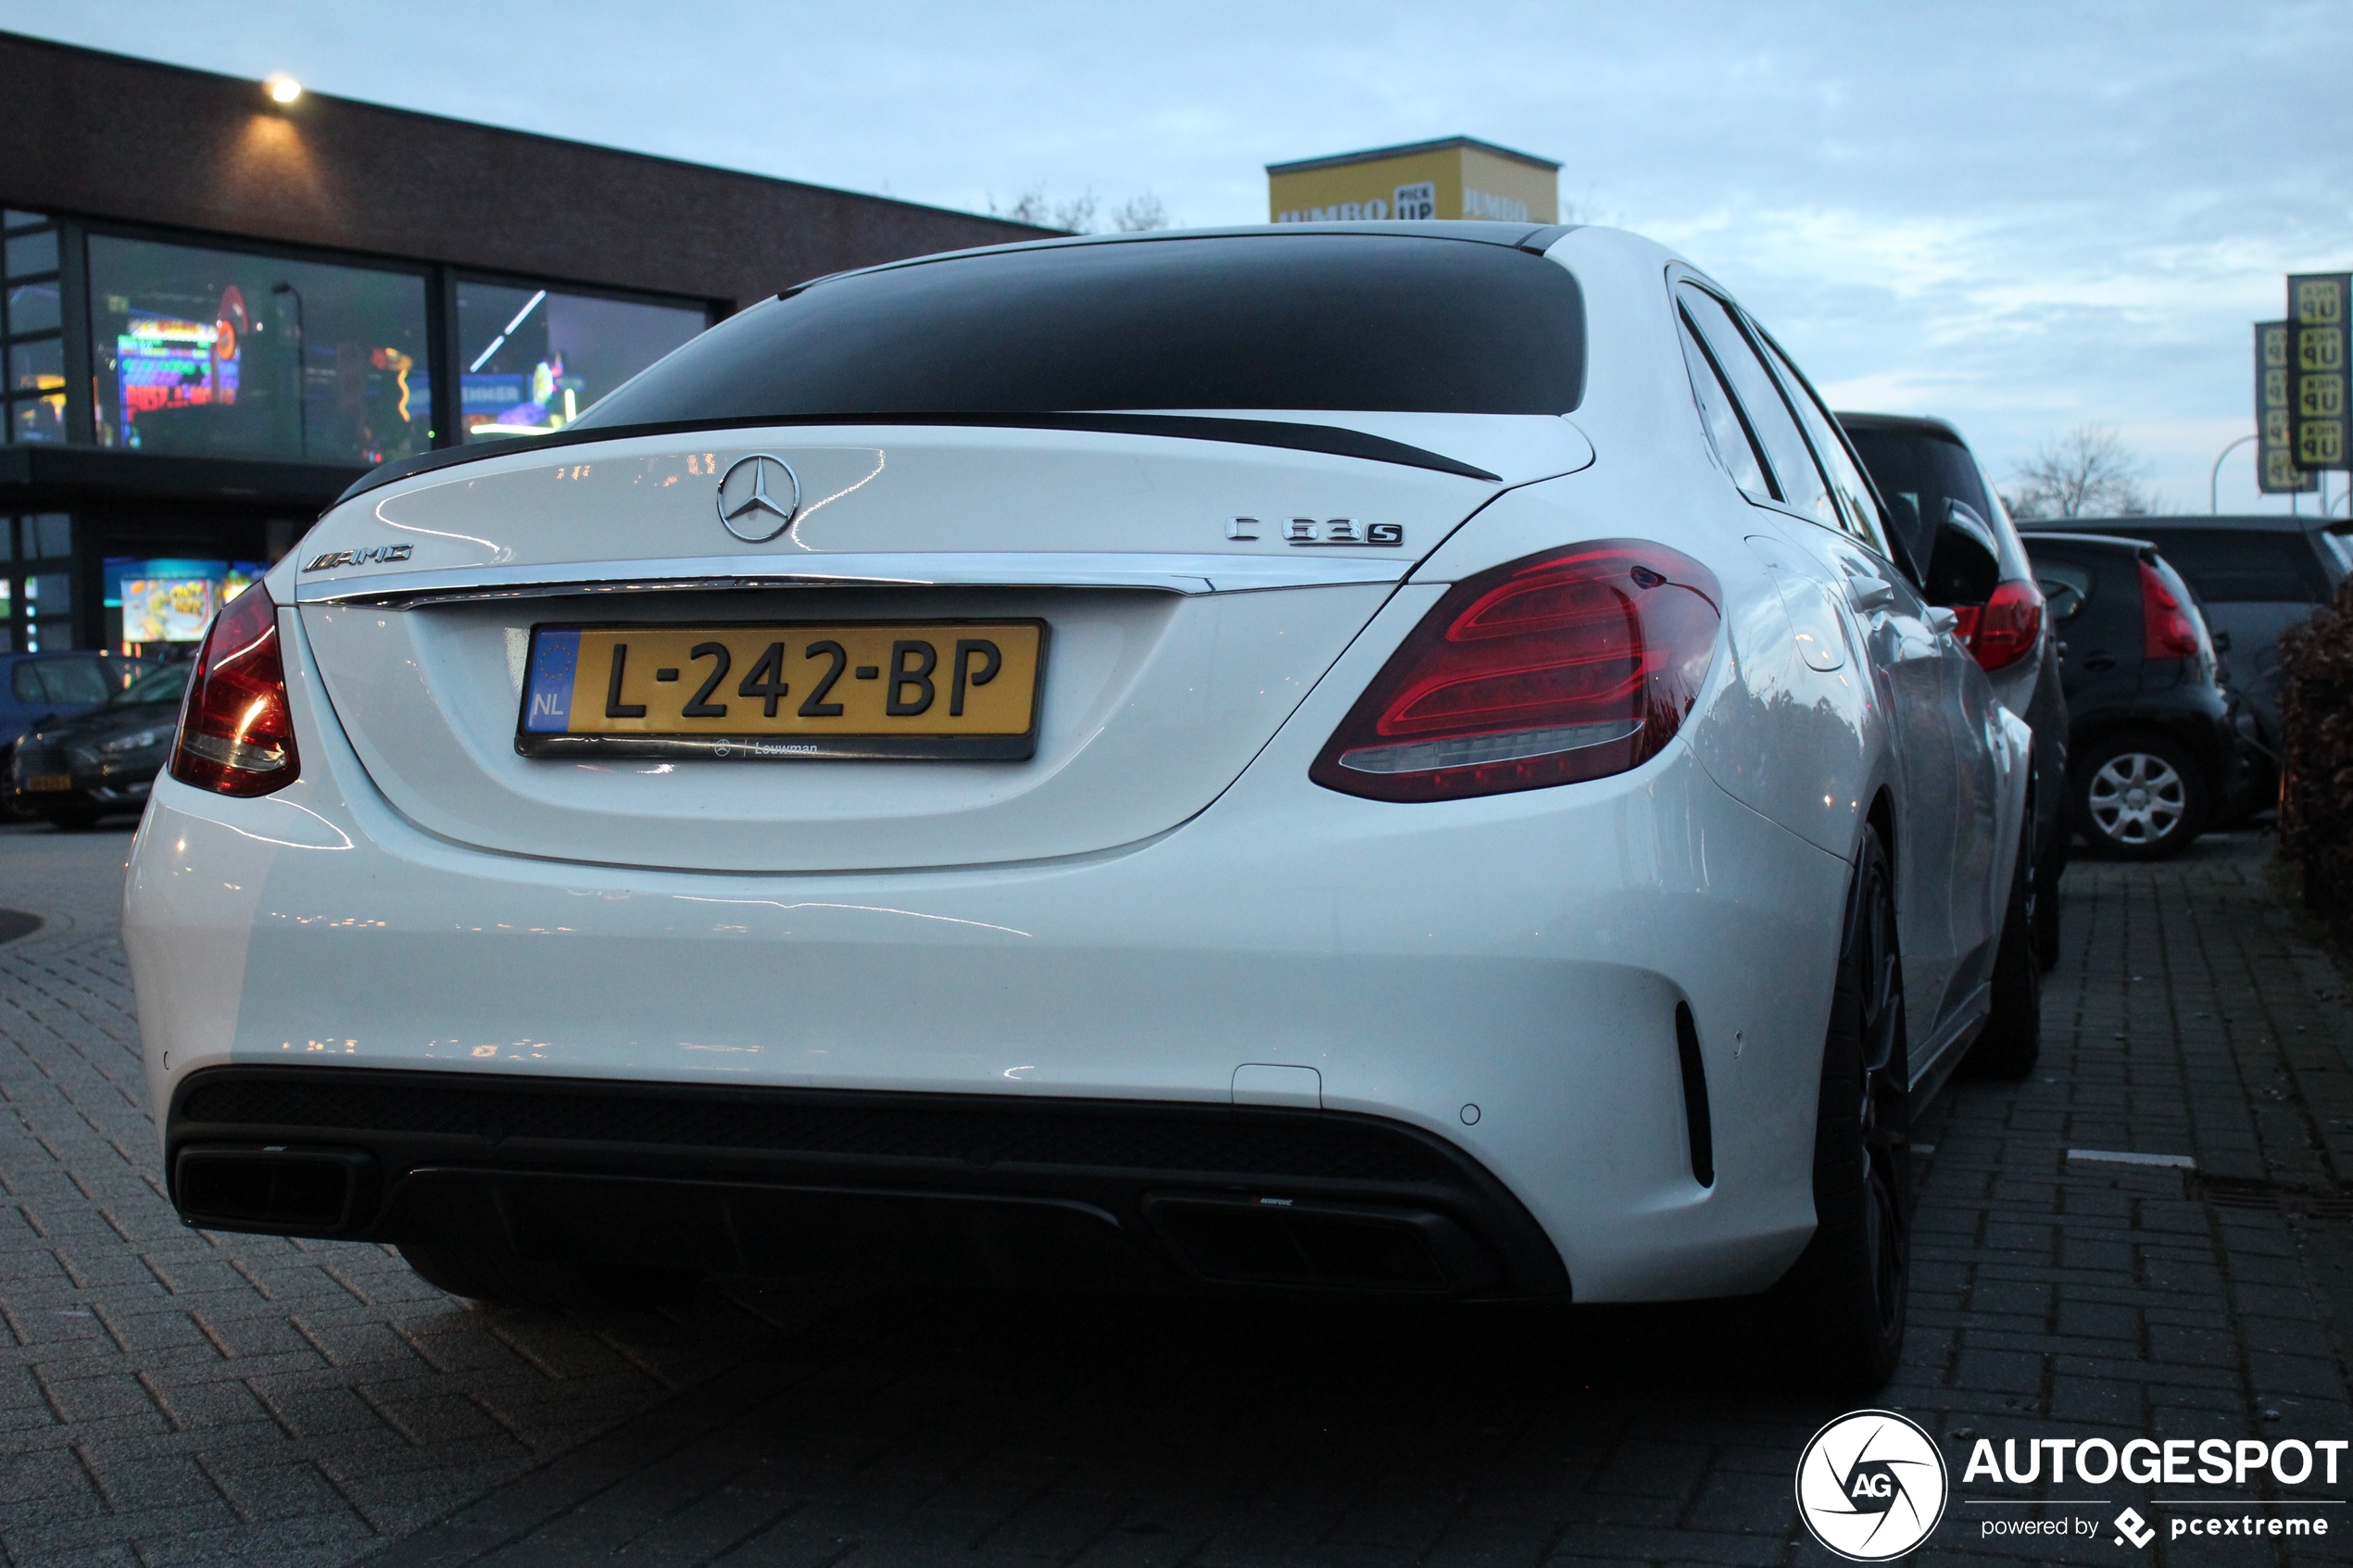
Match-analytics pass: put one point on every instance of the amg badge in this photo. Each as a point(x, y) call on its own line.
point(375, 555)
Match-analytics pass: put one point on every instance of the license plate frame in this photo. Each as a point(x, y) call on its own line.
point(799, 743)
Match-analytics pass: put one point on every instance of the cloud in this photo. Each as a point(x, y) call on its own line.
point(2016, 214)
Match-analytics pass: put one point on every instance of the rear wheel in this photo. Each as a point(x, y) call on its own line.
point(2048, 872)
point(73, 820)
point(1844, 1300)
point(2141, 797)
point(2012, 1041)
point(486, 1274)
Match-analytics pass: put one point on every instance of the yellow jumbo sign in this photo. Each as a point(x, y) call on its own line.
point(1456, 177)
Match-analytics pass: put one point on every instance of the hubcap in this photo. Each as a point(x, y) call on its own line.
point(2137, 798)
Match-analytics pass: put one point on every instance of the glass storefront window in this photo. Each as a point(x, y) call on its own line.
point(48, 612)
point(32, 253)
point(222, 353)
point(48, 536)
point(38, 366)
point(38, 419)
point(152, 604)
point(531, 360)
point(32, 308)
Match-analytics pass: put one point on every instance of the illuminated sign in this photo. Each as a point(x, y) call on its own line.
point(2275, 469)
point(2319, 358)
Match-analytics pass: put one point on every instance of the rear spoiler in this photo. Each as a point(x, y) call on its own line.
point(1334, 439)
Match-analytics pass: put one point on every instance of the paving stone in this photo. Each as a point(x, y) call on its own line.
point(169, 1396)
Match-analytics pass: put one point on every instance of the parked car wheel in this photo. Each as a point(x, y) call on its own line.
point(2012, 1040)
point(2047, 872)
point(77, 820)
point(2139, 797)
point(1844, 1297)
point(486, 1274)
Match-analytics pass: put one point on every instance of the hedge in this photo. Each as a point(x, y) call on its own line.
point(2316, 753)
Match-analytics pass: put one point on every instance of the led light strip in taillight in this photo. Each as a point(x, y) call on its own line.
point(1570, 665)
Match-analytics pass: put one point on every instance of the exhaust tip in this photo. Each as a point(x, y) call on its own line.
point(1279, 1242)
point(273, 1188)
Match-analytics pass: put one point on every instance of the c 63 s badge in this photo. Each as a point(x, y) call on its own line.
point(375, 555)
point(1308, 531)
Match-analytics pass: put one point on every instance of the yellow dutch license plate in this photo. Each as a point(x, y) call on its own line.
point(773, 691)
point(42, 783)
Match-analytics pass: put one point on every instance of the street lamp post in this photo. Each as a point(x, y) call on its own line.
point(2214, 481)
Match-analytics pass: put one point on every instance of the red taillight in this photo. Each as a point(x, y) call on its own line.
point(2003, 630)
point(1570, 665)
point(236, 736)
point(2167, 631)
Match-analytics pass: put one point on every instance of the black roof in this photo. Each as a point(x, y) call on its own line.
point(2116, 542)
point(1918, 424)
point(2245, 522)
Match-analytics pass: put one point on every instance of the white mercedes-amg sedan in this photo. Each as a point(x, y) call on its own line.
point(1377, 757)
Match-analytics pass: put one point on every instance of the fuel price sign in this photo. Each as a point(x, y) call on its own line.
point(2320, 356)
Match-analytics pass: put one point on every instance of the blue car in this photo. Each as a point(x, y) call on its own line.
point(36, 687)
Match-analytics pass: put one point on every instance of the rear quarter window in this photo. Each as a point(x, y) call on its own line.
point(2066, 589)
point(1375, 322)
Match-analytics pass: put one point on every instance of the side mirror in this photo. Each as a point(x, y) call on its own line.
point(1966, 561)
point(2221, 641)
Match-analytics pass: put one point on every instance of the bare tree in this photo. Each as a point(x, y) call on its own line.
point(1029, 208)
point(1136, 215)
point(1140, 215)
point(2087, 473)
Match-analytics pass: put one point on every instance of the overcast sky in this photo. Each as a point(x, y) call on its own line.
point(2021, 217)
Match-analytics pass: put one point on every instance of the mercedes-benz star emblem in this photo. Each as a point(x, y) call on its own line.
point(758, 497)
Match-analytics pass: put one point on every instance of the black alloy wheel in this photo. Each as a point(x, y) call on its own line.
point(2048, 872)
point(2011, 1041)
point(1843, 1299)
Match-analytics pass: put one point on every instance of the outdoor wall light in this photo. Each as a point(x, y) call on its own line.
point(283, 89)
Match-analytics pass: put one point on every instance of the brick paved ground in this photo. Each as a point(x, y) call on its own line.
point(170, 1397)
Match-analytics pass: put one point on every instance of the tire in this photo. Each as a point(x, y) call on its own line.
point(2011, 1041)
point(72, 821)
point(486, 1274)
point(2138, 798)
point(1841, 1305)
point(2048, 872)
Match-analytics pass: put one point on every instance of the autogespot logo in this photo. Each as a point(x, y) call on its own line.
point(1872, 1486)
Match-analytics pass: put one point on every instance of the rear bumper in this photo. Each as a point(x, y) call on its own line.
point(995, 1189)
point(1498, 980)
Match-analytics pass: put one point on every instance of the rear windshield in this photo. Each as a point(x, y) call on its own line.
point(1391, 323)
point(2229, 566)
point(1916, 472)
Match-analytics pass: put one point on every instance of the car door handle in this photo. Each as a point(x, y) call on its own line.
point(2099, 661)
point(1870, 593)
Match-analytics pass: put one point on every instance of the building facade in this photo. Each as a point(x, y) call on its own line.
point(218, 309)
point(1457, 177)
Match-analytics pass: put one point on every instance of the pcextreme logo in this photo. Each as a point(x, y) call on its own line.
point(1872, 1486)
